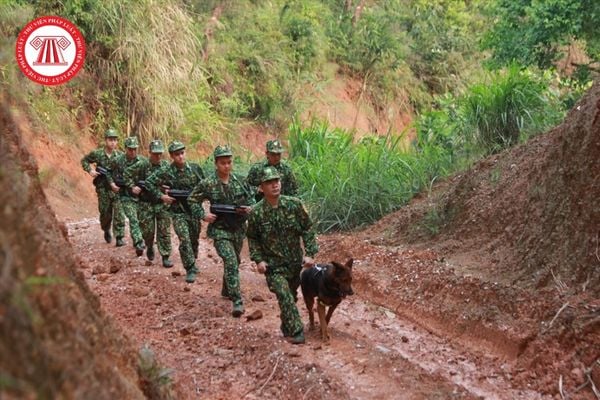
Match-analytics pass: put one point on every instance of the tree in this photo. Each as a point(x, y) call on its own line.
point(537, 32)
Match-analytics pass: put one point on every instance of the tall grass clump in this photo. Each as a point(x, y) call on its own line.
point(348, 184)
point(512, 106)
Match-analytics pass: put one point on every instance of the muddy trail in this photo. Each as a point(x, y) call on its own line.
point(374, 353)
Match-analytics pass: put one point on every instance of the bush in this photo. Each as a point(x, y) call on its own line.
point(348, 184)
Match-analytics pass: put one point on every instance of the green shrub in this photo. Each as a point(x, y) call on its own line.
point(348, 184)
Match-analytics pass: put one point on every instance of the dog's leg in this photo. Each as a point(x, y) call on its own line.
point(310, 302)
point(330, 312)
point(322, 321)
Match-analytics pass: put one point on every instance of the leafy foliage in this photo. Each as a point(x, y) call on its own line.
point(537, 32)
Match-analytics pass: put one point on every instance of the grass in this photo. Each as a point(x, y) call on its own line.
point(347, 184)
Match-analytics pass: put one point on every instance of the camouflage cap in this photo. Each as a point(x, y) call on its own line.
point(274, 146)
point(269, 173)
point(110, 133)
point(176, 145)
point(132, 142)
point(156, 146)
point(222, 151)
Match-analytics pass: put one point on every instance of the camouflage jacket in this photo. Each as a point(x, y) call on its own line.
point(236, 193)
point(140, 171)
point(117, 167)
point(185, 178)
point(289, 185)
point(274, 233)
point(101, 159)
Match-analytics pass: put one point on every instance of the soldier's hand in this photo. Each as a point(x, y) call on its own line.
point(114, 187)
point(93, 173)
point(136, 190)
point(261, 267)
point(308, 262)
point(209, 217)
point(167, 199)
point(243, 210)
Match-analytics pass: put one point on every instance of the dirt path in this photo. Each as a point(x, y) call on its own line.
point(374, 354)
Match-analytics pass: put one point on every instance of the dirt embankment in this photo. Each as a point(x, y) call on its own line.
point(55, 341)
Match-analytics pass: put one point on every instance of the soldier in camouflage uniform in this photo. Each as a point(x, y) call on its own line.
point(275, 227)
point(127, 199)
point(153, 214)
point(180, 175)
point(108, 202)
point(289, 185)
point(227, 231)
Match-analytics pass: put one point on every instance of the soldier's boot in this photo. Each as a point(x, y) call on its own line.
point(190, 276)
point(107, 236)
point(166, 262)
point(298, 338)
point(139, 249)
point(120, 242)
point(237, 310)
point(150, 253)
point(196, 253)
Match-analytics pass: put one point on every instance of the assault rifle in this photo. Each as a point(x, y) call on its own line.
point(105, 172)
point(229, 214)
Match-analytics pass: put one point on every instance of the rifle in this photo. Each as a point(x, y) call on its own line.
point(104, 172)
point(228, 213)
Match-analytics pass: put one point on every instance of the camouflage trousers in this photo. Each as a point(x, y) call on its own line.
point(155, 220)
point(229, 250)
point(130, 208)
point(284, 282)
point(110, 209)
point(187, 229)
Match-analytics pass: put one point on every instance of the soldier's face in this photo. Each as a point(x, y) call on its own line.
point(271, 188)
point(155, 157)
point(111, 143)
point(224, 165)
point(273, 158)
point(131, 153)
point(178, 158)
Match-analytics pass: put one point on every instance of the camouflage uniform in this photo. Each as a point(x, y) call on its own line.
point(274, 235)
point(128, 200)
point(227, 239)
point(185, 222)
point(289, 185)
point(153, 214)
point(108, 201)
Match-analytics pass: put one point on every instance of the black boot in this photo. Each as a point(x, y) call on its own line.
point(120, 242)
point(166, 262)
point(150, 253)
point(107, 236)
point(139, 249)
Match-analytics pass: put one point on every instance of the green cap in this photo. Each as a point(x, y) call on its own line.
point(156, 146)
point(176, 145)
point(274, 146)
point(132, 142)
point(110, 132)
point(269, 173)
point(222, 151)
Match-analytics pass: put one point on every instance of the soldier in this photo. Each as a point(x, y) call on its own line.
point(289, 185)
point(275, 227)
point(127, 199)
point(153, 214)
point(108, 202)
point(226, 230)
point(180, 175)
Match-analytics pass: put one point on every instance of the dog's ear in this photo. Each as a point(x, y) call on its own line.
point(349, 263)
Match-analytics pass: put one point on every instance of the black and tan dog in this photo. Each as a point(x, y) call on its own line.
point(329, 283)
